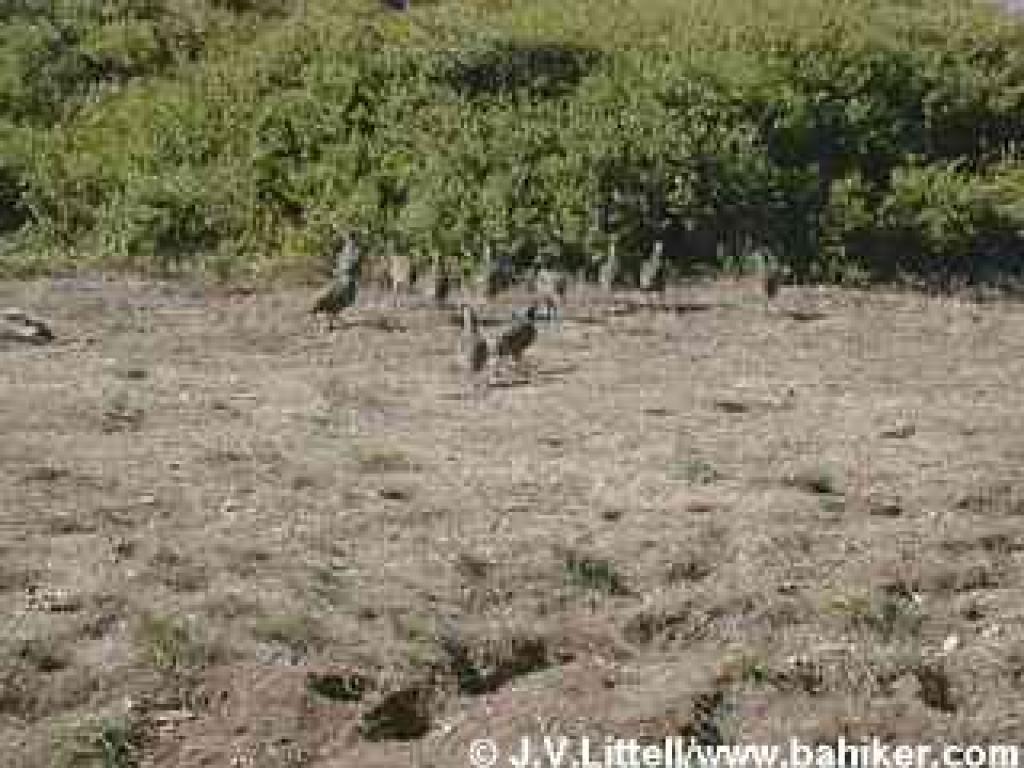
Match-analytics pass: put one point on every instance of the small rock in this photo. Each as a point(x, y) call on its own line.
point(900, 432)
point(394, 494)
point(882, 508)
point(950, 644)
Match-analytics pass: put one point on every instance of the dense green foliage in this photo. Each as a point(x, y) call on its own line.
point(241, 137)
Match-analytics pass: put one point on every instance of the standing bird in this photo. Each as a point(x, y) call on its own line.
point(341, 293)
point(609, 275)
point(338, 296)
point(348, 260)
point(473, 351)
point(553, 283)
point(437, 283)
point(487, 280)
point(400, 273)
point(652, 271)
point(515, 339)
point(772, 284)
point(772, 273)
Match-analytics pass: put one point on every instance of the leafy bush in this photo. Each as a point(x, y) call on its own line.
point(839, 137)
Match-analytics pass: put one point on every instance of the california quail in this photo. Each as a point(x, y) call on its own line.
point(772, 283)
point(348, 259)
point(652, 271)
point(514, 340)
point(473, 351)
point(486, 281)
point(609, 276)
point(552, 282)
point(400, 272)
point(437, 284)
point(338, 296)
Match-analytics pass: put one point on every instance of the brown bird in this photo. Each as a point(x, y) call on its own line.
point(473, 351)
point(437, 284)
point(772, 283)
point(514, 340)
point(400, 273)
point(652, 271)
point(610, 273)
point(337, 297)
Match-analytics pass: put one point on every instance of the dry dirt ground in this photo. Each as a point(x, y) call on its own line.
point(230, 538)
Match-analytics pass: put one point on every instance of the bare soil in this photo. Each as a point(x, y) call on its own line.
point(229, 537)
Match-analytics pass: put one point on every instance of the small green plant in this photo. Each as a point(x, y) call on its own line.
point(889, 616)
point(99, 743)
point(594, 573)
point(170, 644)
point(701, 472)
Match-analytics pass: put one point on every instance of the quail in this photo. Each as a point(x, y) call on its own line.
point(348, 259)
point(486, 281)
point(473, 351)
point(552, 283)
point(652, 271)
point(437, 283)
point(400, 272)
point(338, 296)
point(609, 276)
point(514, 340)
point(772, 282)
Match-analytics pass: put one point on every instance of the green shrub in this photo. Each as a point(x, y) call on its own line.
point(838, 137)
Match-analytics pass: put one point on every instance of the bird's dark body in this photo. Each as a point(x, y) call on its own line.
point(338, 296)
point(514, 340)
point(473, 348)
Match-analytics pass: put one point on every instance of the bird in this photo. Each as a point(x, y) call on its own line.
point(652, 271)
point(551, 283)
point(609, 276)
point(473, 350)
point(348, 260)
point(344, 287)
point(20, 326)
point(400, 273)
point(772, 283)
point(514, 340)
point(486, 281)
point(338, 296)
point(437, 283)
